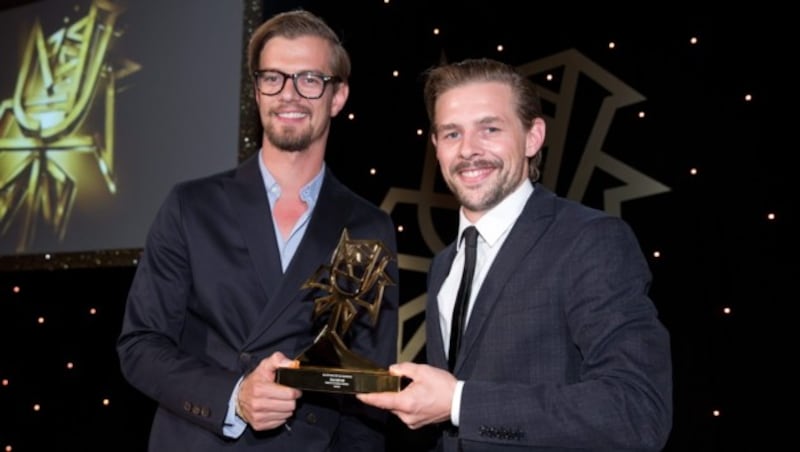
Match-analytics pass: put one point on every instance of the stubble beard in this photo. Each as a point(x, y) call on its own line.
point(482, 199)
point(289, 140)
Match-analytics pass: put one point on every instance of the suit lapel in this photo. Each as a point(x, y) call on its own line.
point(525, 233)
point(249, 200)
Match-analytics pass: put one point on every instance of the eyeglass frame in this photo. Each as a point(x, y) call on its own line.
point(326, 79)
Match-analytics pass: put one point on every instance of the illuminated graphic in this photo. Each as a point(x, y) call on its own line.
point(60, 112)
point(633, 184)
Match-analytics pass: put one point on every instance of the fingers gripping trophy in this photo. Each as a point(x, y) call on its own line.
point(354, 281)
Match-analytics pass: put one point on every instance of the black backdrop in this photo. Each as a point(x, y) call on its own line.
point(718, 249)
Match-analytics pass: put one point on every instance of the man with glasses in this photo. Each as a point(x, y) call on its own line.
point(216, 305)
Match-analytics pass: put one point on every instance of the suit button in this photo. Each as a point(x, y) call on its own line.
point(311, 418)
point(195, 410)
point(187, 406)
point(205, 412)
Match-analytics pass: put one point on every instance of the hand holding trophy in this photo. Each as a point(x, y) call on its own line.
point(354, 280)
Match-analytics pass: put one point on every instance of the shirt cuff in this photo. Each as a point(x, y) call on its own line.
point(234, 425)
point(455, 408)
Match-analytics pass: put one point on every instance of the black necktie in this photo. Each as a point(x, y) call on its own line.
point(462, 298)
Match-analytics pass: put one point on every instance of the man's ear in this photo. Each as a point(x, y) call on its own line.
point(534, 140)
point(339, 97)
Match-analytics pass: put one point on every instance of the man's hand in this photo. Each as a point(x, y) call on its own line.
point(261, 402)
point(426, 400)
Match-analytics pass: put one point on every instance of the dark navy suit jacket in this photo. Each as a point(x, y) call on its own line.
point(564, 350)
point(209, 301)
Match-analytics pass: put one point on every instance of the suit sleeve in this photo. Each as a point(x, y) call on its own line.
point(153, 321)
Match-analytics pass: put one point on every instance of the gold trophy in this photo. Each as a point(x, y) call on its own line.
point(354, 279)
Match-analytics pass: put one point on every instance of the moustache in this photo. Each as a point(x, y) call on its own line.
point(474, 164)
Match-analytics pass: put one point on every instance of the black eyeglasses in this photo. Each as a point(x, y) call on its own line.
point(308, 84)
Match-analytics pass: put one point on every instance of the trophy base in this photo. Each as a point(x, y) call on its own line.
point(337, 380)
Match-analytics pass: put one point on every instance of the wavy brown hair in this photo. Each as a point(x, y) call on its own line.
point(443, 78)
point(294, 24)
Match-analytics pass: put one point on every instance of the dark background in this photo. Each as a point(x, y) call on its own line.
point(718, 249)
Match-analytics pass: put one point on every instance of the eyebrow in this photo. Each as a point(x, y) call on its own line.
point(441, 128)
point(489, 120)
point(301, 71)
point(486, 120)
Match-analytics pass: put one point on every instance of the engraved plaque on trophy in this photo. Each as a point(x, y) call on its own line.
point(354, 281)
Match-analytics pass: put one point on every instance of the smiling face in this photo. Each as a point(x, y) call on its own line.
point(482, 147)
point(291, 122)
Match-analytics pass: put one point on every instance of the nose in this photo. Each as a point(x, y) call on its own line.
point(470, 145)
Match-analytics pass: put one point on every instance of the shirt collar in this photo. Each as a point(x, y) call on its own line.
point(494, 223)
point(309, 193)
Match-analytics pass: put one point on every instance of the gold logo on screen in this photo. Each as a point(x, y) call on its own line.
point(57, 126)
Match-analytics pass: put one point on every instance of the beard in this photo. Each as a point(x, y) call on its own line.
point(482, 201)
point(289, 140)
point(484, 198)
